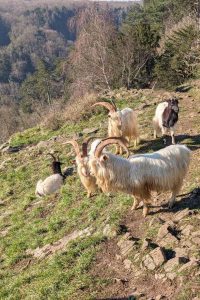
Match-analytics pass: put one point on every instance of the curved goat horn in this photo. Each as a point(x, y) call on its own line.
point(85, 144)
point(53, 156)
point(108, 105)
point(75, 145)
point(115, 140)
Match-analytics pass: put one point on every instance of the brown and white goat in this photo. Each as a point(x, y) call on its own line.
point(121, 123)
point(166, 117)
point(141, 174)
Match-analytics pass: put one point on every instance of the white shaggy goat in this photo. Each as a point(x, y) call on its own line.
point(121, 123)
point(141, 174)
point(82, 159)
point(53, 182)
point(166, 117)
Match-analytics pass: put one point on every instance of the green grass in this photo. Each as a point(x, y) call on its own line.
point(32, 222)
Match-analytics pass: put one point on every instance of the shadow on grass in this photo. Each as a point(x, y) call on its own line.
point(192, 141)
point(192, 202)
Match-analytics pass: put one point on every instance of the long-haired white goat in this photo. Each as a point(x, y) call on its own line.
point(166, 117)
point(121, 123)
point(139, 175)
point(82, 159)
point(53, 182)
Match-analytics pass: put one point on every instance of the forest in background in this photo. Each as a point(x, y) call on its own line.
point(54, 55)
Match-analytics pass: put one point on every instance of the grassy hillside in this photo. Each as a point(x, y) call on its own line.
point(91, 265)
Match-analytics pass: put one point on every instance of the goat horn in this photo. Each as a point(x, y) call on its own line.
point(53, 156)
point(113, 140)
point(108, 105)
point(85, 144)
point(75, 145)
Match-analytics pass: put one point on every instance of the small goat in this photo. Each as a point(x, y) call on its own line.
point(166, 116)
point(142, 174)
point(82, 158)
point(53, 182)
point(121, 123)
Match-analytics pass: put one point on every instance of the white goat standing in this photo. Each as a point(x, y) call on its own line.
point(121, 123)
point(166, 110)
point(53, 182)
point(82, 158)
point(142, 174)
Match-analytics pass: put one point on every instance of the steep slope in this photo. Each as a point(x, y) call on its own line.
point(66, 246)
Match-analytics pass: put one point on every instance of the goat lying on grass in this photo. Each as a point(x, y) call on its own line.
point(139, 175)
point(166, 117)
point(53, 182)
point(121, 123)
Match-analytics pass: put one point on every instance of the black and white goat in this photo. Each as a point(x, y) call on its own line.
point(166, 117)
point(53, 182)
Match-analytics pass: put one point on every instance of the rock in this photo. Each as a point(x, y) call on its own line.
point(159, 276)
point(173, 263)
point(187, 230)
point(180, 215)
point(158, 256)
point(165, 236)
point(181, 252)
point(108, 231)
point(11, 149)
point(196, 240)
point(145, 245)
point(4, 145)
point(171, 275)
point(127, 264)
point(148, 263)
point(126, 244)
point(165, 229)
point(196, 233)
point(189, 265)
point(155, 221)
point(2, 203)
point(154, 259)
point(90, 130)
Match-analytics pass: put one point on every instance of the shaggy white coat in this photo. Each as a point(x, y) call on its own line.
point(123, 123)
point(49, 186)
point(158, 122)
point(139, 175)
point(87, 180)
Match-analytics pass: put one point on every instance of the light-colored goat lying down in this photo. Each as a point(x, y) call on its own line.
point(139, 175)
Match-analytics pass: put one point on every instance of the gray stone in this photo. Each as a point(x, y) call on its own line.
point(126, 244)
point(187, 230)
point(154, 259)
point(171, 275)
point(173, 263)
point(108, 231)
point(159, 276)
point(196, 240)
point(165, 229)
point(158, 256)
point(127, 264)
point(90, 130)
point(181, 252)
point(165, 237)
point(180, 215)
point(196, 233)
point(189, 265)
point(145, 245)
point(149, 263)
